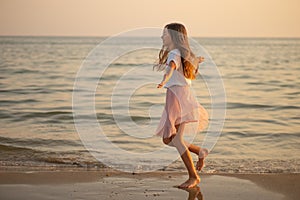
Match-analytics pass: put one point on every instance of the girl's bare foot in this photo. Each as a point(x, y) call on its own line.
point(200, 164)
point(202, 154)
point(191, 182)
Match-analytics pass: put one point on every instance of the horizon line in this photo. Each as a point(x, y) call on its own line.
point(103, 36)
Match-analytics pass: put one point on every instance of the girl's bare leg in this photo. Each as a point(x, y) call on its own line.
point(194, 179)
point(196, 149)
point(186, 157)
point(192, 148)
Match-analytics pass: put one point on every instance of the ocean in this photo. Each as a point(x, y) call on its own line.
point(261, 78)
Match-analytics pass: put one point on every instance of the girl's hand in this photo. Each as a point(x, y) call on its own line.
point(160, 85)
point(200, 59)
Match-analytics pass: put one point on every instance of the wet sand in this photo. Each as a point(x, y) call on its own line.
point(156, 185)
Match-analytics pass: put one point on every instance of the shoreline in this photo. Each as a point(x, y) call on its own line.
point(110, 184)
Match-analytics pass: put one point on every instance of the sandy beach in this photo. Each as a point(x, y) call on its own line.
point(156, 185)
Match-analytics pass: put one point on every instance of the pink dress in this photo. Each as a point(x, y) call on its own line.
point(181, 104)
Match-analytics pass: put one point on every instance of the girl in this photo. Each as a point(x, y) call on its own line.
point(179, 63)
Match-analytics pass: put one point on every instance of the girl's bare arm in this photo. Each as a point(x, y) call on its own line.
point(168, 74)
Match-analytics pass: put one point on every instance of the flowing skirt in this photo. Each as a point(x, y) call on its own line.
point(181, 107)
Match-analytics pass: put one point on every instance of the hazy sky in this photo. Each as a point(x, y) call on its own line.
point(208, 18)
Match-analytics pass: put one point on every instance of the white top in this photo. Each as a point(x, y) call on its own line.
point(177, 77)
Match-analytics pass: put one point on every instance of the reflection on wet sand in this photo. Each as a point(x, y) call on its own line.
point(194, 193)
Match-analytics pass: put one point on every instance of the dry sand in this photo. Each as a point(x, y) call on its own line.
point(103, 185)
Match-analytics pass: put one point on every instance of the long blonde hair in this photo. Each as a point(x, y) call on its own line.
point(179, 37)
